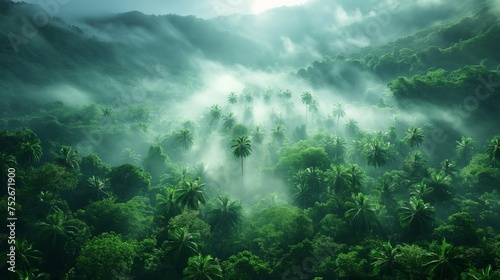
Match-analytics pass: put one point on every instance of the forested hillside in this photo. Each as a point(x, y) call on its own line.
point(293, 144)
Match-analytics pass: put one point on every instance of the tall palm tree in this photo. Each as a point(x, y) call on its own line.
point(166, 204)
point(308, 186)
point(363, 213)
point(356, 177)
point(464, 148)
point(481, 274)
point(351, 127)
point(225, 215)
point(248, 97)
point(190, 194)
point(232, 98)
point(306, 98)
point(414, 136)
point(241, 148)
point(446, 263)
point(30, 152)
point(99, 185)
point(182, 244)
point(67, 157)
point(313, 107)
point(257, 135)
point(203, 268)
point(376, 152)
point(229, 120)
point(414, 166)
point(278, 134)
point(184, 139)
point(130, 156)
point(338, 112)
point(493, 149)
point(287, 95)
point(422, 191)
point(386, 259)
point(417, 216)
point(386, 191)
point(215, 113)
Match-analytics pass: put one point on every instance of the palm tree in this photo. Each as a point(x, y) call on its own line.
point(338, 149)
point(338, 179)
point(376, 152)
point(248, 97)
point(248, 113)
point(448, 168)
point(338, 112)
point(190, 194)
point(99, 185)
point(306, 98)
point(356, 177)
point(386, 190)
point(26, 256)
point(257, 135)
point(184, 138)
point(215, 113)
point(446, 263)
point(31, 273)
point(351, 127)
point(414, 166)
point(493, 149)
point(286, 95)
point(30, 152)
point(417, 216)
point(242, 148)
point(440, 183)
point(130, 156)
point(232, 98)
point(313, 107)
point(55, 229)
point(182, 244)
point(166, 204)
point(267, 95)
point(308, 186)
point(67, 157)
point(464, 148)
point(202, 268)
point(481, 274)
point(363, 213)
point(229, 120)
point(278, 134)
point(225, 215)
point(421, 191)
point(385, 259)
point(414, 136)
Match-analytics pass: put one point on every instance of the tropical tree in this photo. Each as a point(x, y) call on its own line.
point(248, 96)
point(421, 191)
point(417, 216)
point(31, 273)
point(184, 139)
point(385, 190)
point(267, 95)
point(385, 259)
point(225, 215)
point(376, 152)
point(363, 213)
point(55, 229)
point(338, 112)
point(356, 177)
point(464, 148)
point(182, 244)
point(338, 149)
point(215, 113)
point(6, 162)
point(440, 184)
point(30, 152)
point(286, 95)
point(308, 186)
point(130, 156)
point(306, 98)
point(203, 268)
point(241, 148)
point(232, 98)
point(67, 157)
point(447, 262)
point(448, 168)
point(351, 127)
point(190, 194)
point(248, 113)
point(166, 205)
point(229, 120)
point(26, 256)
point(493, 149)
point(482, 274)
point(414, 166)
point(278, 134)
point(257, 135)
point(414, 136)
point(99, 185)
point(338, 179)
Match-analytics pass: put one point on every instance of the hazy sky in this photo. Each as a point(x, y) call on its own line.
point(199, 8)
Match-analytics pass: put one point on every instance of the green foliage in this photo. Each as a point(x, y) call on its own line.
point(203, 268)
point(224, 215)
point(246, 266)
point(128, 180)
point(104, 257)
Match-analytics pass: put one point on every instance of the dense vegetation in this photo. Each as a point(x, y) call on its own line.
point(365, 169)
